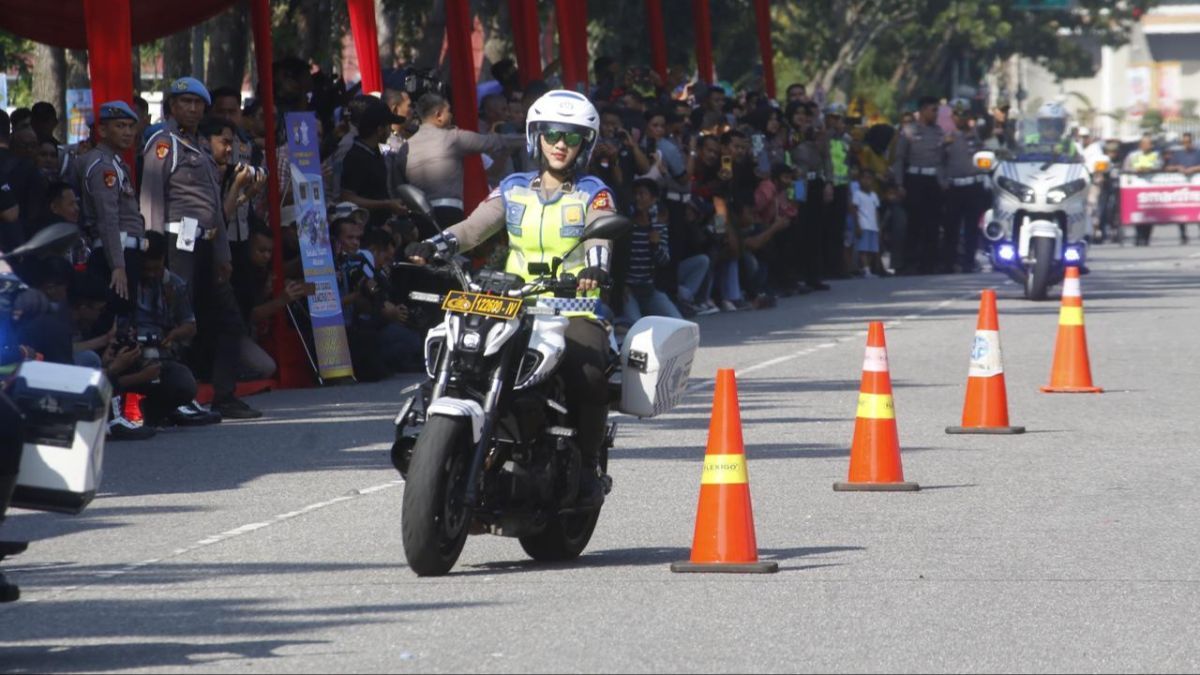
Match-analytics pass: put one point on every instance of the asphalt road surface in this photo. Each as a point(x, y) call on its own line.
point(274, 545)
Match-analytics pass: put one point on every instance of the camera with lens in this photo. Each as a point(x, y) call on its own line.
point(421, 81)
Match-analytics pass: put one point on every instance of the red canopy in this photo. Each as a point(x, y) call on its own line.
point(61, 22)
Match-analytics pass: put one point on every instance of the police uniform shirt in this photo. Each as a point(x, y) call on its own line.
point(961, 147)
point(520, 206)
point(920, 146)
point(181, 180)
point(109, 205)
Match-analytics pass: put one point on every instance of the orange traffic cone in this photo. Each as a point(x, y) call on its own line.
point(986, 408)
point(1072, 372)
point(724, 539)
point(875, 454)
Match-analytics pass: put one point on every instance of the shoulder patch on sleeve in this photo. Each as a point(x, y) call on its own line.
point(602, 201)
point(110, 179)
point(161, 149)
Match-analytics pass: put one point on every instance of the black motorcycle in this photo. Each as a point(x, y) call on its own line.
point(496, 452)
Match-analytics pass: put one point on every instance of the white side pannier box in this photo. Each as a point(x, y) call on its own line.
point(66, 415)
point(657, 361)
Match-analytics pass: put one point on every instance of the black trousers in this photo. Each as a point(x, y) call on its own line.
point(10, 450)
point(176, 386)
point(834, 231)
point(219, 325)
point(809, 240)
point(923, 200)
point(118, 307)
point(964, 207)
point(582, 371)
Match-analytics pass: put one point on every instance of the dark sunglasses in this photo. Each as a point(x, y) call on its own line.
point(573, 139)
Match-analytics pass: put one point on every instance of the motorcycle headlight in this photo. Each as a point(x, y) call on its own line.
point(1019, 190)
point(1061, 193)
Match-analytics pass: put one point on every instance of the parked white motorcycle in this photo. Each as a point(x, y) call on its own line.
point(1039, 219)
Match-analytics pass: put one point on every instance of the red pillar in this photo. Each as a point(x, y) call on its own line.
point(110, 52)
point(762, 15)
point(462, 86)
point(704, 55)
point(366, 43)
point(580, 18)
point(293, 371)
point(568, 53)
point(527, 29)
point(658, 37)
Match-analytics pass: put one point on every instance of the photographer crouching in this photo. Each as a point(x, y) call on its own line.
point(164, 328)
point(381, 342)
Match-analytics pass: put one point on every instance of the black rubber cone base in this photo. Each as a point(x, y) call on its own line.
point(761, 567)
point(996, 431)
point(876, 487)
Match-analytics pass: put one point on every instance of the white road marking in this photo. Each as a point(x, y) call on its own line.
point(216, 539)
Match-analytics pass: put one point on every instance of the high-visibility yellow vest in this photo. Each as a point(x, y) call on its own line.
point(540, 231)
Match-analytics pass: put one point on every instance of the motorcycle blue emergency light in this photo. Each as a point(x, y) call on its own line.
point(1072, 255)
point(1007, 252)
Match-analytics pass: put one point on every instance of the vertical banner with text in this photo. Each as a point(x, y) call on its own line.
point(329, 329)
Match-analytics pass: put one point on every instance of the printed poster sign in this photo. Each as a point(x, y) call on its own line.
point(1160, 198)
point(329, 328)
point(79, 111)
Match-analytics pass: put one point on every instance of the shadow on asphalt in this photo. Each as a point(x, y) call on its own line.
point(754, 451)
point(130, 655)
point(121, 622)
point(644, 557)
point(60, 575)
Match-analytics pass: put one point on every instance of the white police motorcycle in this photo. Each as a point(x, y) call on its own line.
point(1039, 219)
point(487, 446)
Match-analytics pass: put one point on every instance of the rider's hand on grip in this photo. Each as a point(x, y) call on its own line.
point(592, 278)
point(420, 252)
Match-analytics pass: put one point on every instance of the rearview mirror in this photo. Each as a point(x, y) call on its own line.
point(415, 199)
point(985, 160)
point(607, 227)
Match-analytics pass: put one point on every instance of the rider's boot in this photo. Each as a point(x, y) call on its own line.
point(591, 435)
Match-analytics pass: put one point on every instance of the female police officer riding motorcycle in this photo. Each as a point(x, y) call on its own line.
point(545, 213)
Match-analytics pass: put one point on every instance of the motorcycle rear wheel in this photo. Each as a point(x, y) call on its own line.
point(564, 538)
point(435, 521)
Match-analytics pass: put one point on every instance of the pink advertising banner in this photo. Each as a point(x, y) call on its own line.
point(1160, 198)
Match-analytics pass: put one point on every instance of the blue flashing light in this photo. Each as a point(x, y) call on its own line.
point(1007, 252)
point(1072, 255)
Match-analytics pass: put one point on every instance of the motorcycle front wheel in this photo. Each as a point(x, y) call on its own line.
point(435, 520)
point(1038, 282)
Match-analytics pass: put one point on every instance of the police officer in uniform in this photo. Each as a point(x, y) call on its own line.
point(111, 216)
point(181, 198)
point(919, 167)
point(967, 196)
point(545, 213)
point(810, 159)
point(835, 214)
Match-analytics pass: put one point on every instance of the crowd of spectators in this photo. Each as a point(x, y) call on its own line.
point(736, 200)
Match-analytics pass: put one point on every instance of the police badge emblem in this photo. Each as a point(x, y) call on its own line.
point(110, 179)
point(161, 149)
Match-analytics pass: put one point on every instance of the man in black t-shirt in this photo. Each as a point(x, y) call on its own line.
point(364, 170)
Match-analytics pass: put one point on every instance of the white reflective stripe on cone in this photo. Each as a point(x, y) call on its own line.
point(1071, 288)
point(986, 360)
point(876, 360)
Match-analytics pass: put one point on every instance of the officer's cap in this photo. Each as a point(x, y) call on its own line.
point(190, 85)
point(960, 105)
point(116, 110)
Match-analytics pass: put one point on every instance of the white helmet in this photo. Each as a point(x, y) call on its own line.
point(1052, 119)
point(564, 110)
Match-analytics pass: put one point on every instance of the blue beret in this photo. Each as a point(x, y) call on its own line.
point(116, 110)
point(190, 85)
